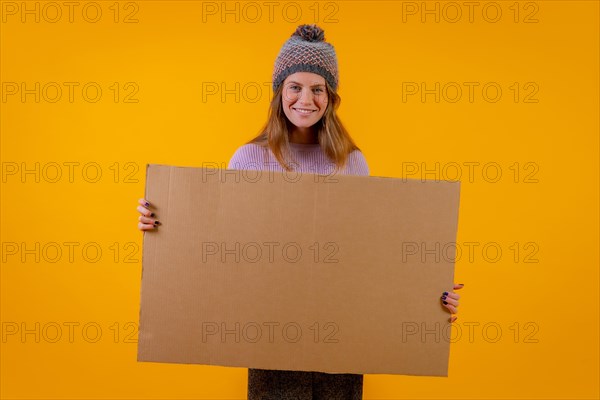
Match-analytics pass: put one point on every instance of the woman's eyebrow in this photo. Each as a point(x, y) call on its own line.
point(298, 83)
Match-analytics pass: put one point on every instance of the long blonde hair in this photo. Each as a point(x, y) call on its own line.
point(333, 138)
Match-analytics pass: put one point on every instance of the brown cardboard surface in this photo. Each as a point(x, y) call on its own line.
point(305, 272)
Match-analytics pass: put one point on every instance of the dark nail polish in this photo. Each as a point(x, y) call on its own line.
point(445, 302)
point(152, 215)
point(157, 222)
point(445, 293)
point(146, 204)
point(443, 297)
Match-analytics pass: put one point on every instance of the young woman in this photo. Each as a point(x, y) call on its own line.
point(304, 134)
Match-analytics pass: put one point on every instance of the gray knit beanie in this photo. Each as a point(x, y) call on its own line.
point(306, 51)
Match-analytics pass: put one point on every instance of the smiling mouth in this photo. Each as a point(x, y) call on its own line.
point(304, 111)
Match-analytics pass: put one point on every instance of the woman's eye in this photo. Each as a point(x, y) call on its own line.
point(319, 90)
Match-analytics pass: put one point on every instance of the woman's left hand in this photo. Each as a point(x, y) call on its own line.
point(450, 300)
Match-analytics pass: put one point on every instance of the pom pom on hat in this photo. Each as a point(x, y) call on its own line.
point(310, 33)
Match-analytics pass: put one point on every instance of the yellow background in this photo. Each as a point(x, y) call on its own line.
point(170, 52)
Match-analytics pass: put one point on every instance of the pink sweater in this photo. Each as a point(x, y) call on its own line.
point(308, 158)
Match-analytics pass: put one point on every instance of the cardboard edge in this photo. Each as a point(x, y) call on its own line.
point(138, 357)
point(459, 184)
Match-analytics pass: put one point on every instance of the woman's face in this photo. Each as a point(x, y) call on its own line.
point(304, 98)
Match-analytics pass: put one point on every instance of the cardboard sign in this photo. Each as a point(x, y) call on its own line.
point(290, 271)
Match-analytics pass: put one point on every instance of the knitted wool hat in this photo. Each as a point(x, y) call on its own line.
point(306, 51)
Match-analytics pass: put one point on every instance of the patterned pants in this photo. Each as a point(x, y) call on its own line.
point(264, 384)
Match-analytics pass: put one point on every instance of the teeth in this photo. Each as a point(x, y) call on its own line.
point(303, 111)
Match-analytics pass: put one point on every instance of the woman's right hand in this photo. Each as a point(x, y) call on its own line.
point(146, 219)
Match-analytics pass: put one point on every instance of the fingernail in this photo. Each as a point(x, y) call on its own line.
point(445, 302)
point(152, 215)
point(445, 293)
point(146, 204)
point(443, 297)
point(157, 222)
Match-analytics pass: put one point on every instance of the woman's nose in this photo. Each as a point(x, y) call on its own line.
point(306, 97)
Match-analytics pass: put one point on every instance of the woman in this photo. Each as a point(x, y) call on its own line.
point(303, 133)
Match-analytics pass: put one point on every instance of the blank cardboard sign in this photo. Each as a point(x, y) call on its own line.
point(290, 271)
